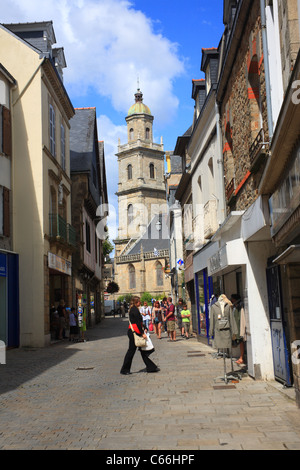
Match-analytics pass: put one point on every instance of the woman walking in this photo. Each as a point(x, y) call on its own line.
point(135, 318)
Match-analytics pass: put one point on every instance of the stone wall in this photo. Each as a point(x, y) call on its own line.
point(244, 113)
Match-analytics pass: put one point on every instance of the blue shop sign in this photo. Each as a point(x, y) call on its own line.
point(3, 268)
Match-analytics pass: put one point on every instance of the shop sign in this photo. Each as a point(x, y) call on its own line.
point(59, 264)
point(286, 198)
point(3, 267)
point(218, 261)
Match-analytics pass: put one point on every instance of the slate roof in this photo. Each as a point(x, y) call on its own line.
point(84, 150)
point(152, 238)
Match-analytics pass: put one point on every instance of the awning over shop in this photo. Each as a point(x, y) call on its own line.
point(290, 255)
point(256, 221)
point(229, 257)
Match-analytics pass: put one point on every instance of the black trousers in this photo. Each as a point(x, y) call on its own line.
point(150, 366)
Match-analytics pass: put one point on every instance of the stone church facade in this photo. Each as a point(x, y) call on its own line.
point(142, 246)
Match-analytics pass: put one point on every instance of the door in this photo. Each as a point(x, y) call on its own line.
point(279, 346)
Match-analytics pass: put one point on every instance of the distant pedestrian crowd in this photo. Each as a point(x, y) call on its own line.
point(66, 323)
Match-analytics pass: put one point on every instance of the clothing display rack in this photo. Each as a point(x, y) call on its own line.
point(233, 374)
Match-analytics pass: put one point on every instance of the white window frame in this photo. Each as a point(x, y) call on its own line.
point(52, 129)
point(63, 146)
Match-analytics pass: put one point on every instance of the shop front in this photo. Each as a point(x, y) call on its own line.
point(9, 299)
point(244, 247)
point(206, 287)
point(60, 288)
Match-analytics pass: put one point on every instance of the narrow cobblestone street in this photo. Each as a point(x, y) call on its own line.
point(72, 396)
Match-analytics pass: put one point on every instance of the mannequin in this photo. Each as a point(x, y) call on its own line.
point(222, 328)
point(222, 325)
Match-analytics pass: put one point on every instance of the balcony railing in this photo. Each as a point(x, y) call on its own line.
point(229, 190)
point(257, 151)
point(61, 230)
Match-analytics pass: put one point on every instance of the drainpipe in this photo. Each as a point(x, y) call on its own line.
point(221, 195)
point(267, 69)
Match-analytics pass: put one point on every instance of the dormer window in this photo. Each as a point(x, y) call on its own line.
point(208, 79)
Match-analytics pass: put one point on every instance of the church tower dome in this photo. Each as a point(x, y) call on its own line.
point(139, 120)
point(139, 107)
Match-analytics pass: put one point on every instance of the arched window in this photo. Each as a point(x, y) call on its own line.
point(159, 274)
point(130, 214)
point(131, 276)
point(147, 133)
point(151, 168)
point(131, 134)
point(129, 172)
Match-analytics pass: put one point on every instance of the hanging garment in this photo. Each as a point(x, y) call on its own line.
point(222, 325)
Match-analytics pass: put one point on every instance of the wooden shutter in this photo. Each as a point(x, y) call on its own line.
point(6, 215)
point(6, 119)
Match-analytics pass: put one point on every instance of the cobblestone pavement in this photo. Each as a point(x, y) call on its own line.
point(72, 396)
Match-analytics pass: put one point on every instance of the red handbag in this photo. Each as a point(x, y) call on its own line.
point(151, 326)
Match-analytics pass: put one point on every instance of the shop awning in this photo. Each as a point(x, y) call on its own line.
point(228, 258)
point(290, 255)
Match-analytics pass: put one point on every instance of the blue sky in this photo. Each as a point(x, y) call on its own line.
point(109, 43)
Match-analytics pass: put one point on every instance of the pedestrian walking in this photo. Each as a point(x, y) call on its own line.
point(157, 318)
point(186, 315)
point(135, 319)
point(170, 318)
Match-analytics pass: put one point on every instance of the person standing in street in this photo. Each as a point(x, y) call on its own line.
point(61, 310)
point(146, 314)
point(179, 319)
point(170, 318)
point(157, 318)
point(186, 315)
point(135, 318)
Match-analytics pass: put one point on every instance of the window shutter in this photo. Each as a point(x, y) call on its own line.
point(6, 119)
point(6, 215)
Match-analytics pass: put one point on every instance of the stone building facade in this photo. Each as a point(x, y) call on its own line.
point(142, 246)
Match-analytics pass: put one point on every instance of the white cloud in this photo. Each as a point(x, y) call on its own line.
point(108, 44)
